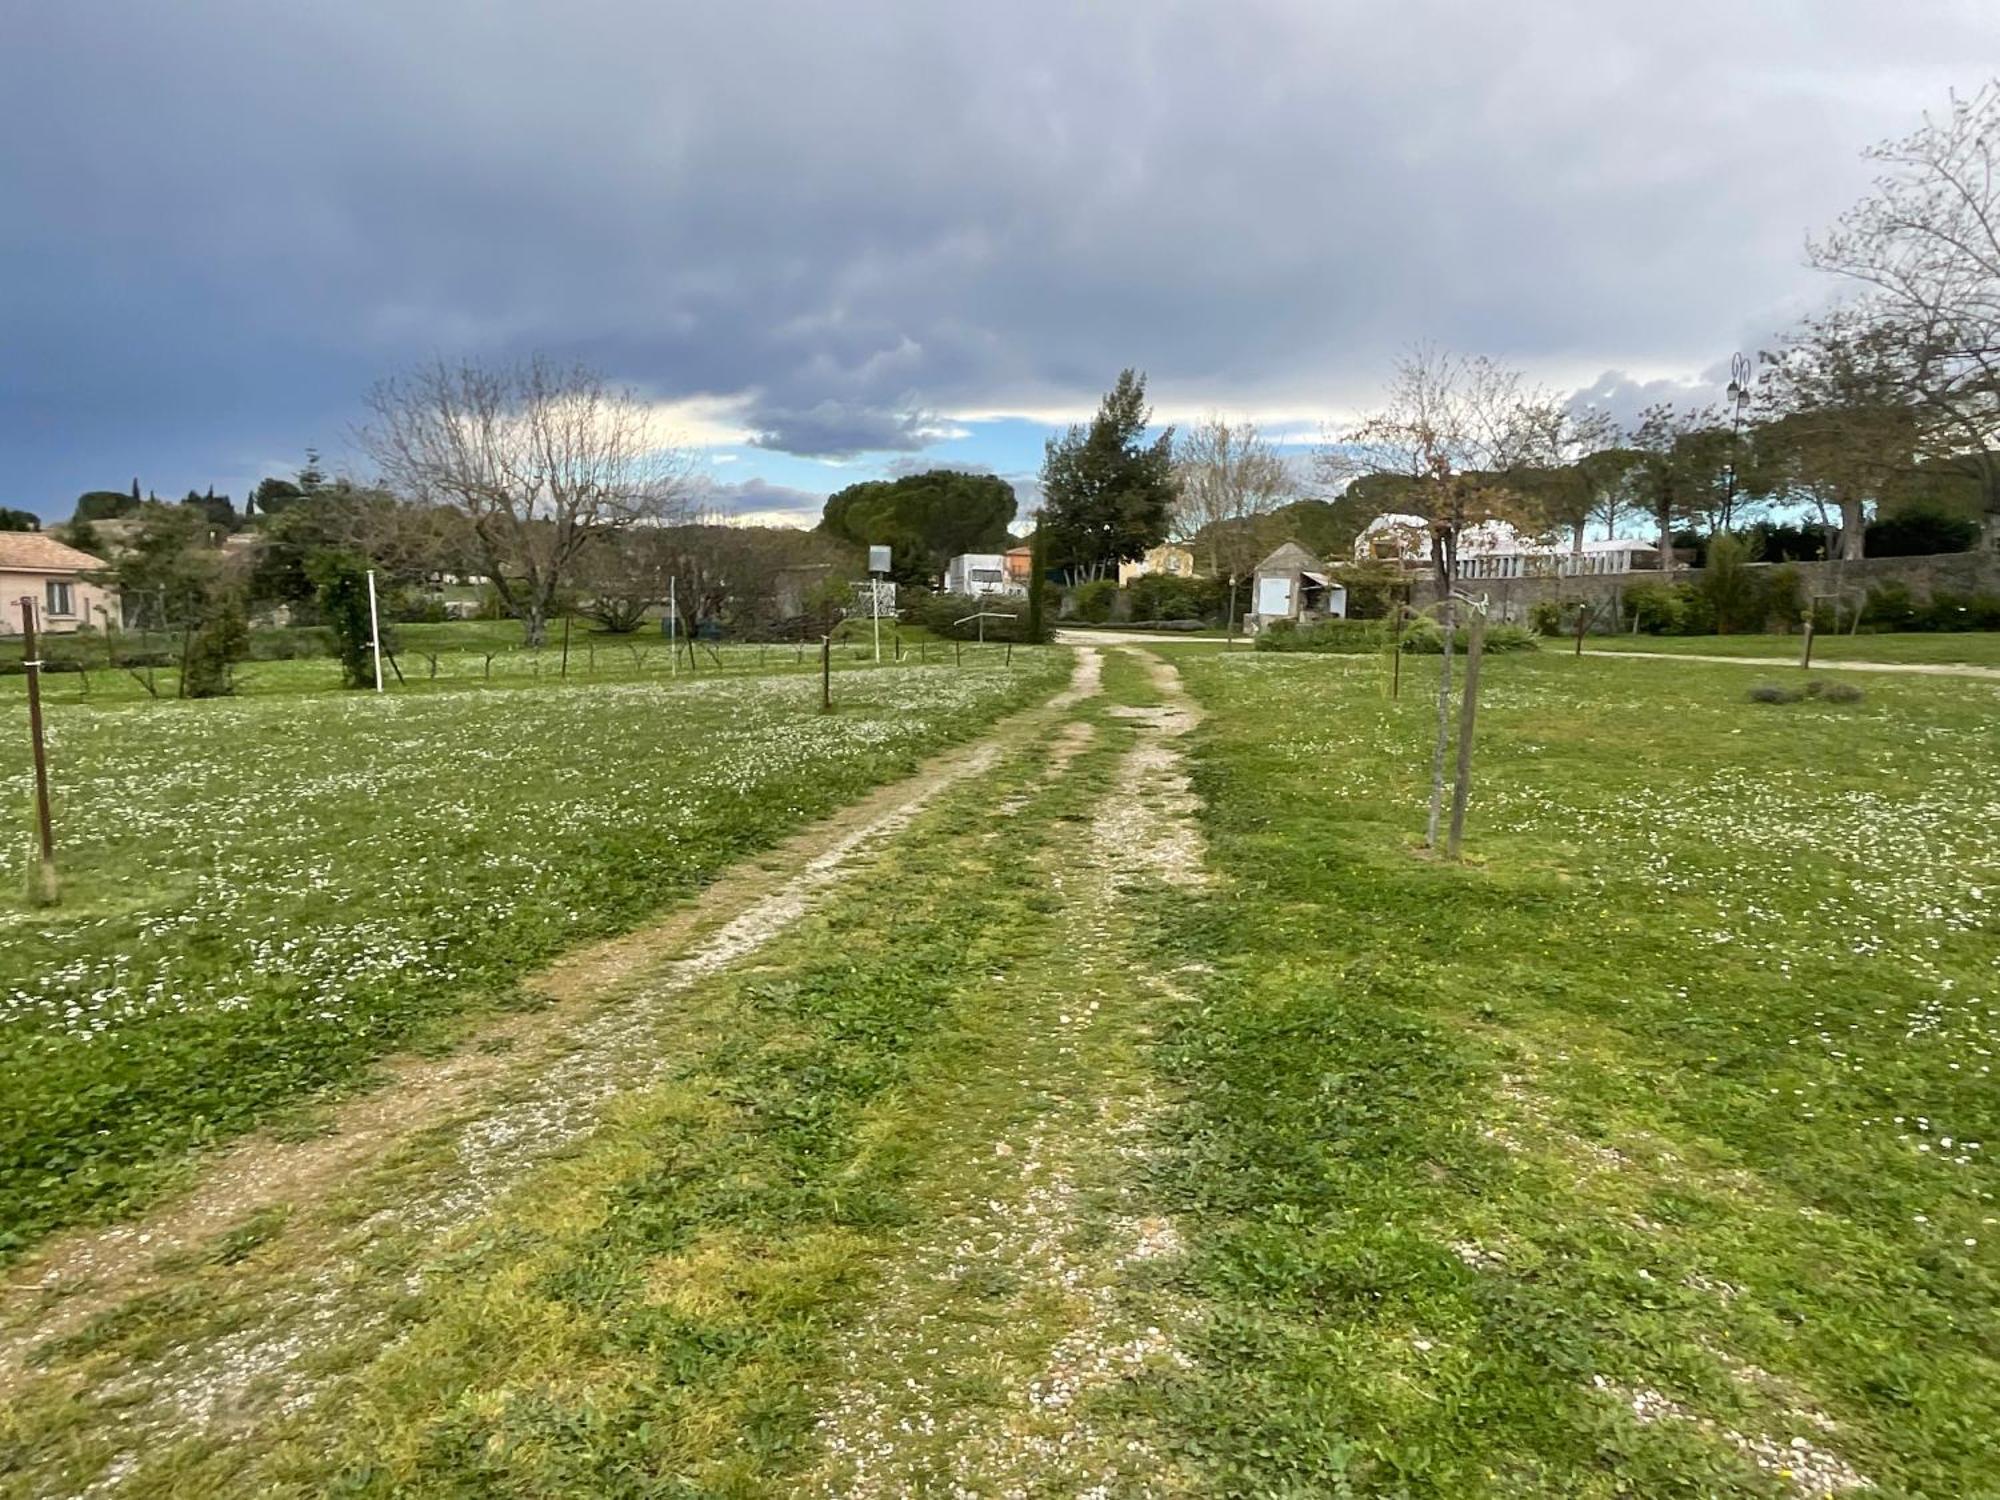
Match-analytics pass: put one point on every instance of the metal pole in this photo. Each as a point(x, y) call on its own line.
point(875, 601)
point(826, 674)
point(673, 624)
point(374, 630)
point(31, 661)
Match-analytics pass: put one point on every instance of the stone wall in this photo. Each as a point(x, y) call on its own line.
point(1954, 572)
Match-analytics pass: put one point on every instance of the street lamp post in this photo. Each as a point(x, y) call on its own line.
point(1738, 393)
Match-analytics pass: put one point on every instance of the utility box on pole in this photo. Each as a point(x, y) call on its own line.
point(878, 564)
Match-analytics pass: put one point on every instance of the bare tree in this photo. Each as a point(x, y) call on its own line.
point(1926, 245)
point(1229, 477)
point(1452, 427)
point(543, 461)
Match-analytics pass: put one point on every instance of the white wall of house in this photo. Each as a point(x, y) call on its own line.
point(64, 602)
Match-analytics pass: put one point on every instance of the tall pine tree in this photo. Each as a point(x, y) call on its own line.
point(1108, 493)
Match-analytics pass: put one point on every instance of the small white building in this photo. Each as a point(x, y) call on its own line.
point(976, 573)
point(1292, 584)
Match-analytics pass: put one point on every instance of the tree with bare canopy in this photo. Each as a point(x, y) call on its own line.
point(543, 460)
point(1926, 246)
point(1228, 480)
point(1452, 428)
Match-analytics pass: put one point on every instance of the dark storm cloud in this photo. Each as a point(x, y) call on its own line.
point(841, 429)
point(225, 219)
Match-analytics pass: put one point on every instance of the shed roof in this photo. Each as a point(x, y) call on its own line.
point(37, 552)
point(1290, 558)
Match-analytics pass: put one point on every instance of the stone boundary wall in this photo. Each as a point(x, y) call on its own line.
point(1954, 572)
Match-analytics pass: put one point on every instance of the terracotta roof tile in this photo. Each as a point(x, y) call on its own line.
point(36, 552)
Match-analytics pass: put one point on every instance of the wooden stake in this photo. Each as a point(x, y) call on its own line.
point(42, 881)
point(1396, 654)
point(1468, 713)
point(826, 674)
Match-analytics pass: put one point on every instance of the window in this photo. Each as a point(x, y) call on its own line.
point(62, 598)
point(986, 575)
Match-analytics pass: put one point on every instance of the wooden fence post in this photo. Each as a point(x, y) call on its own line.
point(826, 674)
point(1468, 713)
point(42, 879)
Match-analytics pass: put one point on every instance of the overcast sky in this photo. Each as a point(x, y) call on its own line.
point(833, 240)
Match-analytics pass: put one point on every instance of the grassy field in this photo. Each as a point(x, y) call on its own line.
point(1092, 1140)
point(1972, 647)
point(262, 895)
point(1657, 1138)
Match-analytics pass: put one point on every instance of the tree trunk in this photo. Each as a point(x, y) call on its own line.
point(1667, 545)
point(1853, 531)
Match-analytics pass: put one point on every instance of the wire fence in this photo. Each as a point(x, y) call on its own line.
point(128, 667)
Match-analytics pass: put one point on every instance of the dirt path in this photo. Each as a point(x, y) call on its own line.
point(988, 1358)
point(1916, 668)
point(1142, 638)
point(512, 1093)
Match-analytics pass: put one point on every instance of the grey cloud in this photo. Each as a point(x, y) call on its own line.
point(837, 429)
point(864, 212)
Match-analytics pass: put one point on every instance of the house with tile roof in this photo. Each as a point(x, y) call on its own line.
point(64, 584)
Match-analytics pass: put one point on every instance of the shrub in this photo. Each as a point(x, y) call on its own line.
point(1545, 616)
point(1094, 600)
point(1162, 596)
point(1889, 606)
point(342, 581)
point(1770, 692)
point(220, 641)
point(1948, 610)
point(1729, 586)
point(1834, 692)
point(1785, 597)
point(1348, 637)
point(1653, 608)
point(1425, 637)
point(940, 614)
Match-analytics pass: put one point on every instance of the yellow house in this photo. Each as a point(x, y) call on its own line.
point(40, 568)
point(1170, 558)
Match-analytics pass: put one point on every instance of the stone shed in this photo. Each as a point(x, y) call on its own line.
point(1292, 584)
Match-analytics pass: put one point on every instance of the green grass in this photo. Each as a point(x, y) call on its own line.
point(1652, 1097)
point(1607, 1163)
point(1972, 647)
point(261, 896)
point(672, 1306)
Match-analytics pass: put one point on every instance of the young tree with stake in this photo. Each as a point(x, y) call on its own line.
point(1451, 428)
